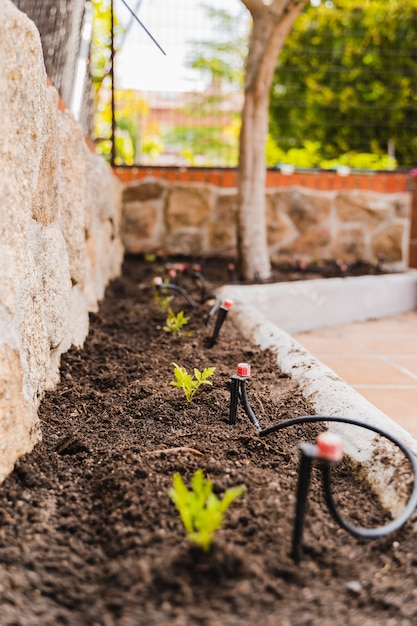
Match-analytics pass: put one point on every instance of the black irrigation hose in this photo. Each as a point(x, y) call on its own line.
point(180, 290)
point(358, 531)
point(243, 395)
point(239, 391)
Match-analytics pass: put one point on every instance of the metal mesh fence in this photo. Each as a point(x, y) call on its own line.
point(182, 107)
point(60, 26)
point(351, 96)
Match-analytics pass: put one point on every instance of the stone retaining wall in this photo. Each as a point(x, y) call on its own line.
point(305, 224)
point(60, 233)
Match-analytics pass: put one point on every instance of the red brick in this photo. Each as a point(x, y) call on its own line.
point(229, 179)
point(214, 177)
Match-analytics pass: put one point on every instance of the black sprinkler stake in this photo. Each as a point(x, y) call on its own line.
point(199, 280)
point(220, 319)
point(328, 450)
point(234, 398)
point(238, 392)
point(231, 272)
point(308, 454)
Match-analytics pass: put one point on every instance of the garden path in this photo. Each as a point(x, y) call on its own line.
point(378, 358)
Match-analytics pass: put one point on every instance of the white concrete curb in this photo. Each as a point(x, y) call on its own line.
point(303, 305)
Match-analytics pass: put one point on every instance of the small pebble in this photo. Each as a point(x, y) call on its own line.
point(274, 485)
point(354, 586)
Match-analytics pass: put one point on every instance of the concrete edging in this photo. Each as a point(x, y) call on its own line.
point(304, 305)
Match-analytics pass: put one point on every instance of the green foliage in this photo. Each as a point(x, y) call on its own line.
point(100, 65)
point(223, 60)
point(309, 156)
point(190, 384)
point(204, 145)
point(201, 511)
point(213, 137)
point(124, 146)
point(346, 79)
point(131, 110)
point(175, 322)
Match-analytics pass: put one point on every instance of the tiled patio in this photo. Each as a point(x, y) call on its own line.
point(378, 358)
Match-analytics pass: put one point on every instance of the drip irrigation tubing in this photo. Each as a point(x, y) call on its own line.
point(357, 531)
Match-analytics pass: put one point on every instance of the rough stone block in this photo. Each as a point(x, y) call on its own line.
point(54, 195)
point(361, 207)
point(188, 206)
point(388, 243)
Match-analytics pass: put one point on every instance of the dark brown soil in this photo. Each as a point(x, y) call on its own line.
point(90, 537)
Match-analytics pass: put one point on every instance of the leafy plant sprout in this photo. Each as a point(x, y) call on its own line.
point(160, 297)
point(161, 285)
point(201, 511)
point(175, 322)
point(190, 384)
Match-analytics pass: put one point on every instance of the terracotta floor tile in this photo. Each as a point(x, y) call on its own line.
point(378, 358)
point(391, 344)
point(367, 371)
point(330, 344)
point(374, 327)
point(408, 362)
point(398, 403)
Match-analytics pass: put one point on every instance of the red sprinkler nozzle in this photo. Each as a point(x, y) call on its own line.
point(329, 446)
point(243, 370)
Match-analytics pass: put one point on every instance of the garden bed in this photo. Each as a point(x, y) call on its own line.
point(89, 535)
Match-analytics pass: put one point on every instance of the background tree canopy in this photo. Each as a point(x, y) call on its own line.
point(346, 82)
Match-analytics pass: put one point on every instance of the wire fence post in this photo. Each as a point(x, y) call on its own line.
point(112, 73)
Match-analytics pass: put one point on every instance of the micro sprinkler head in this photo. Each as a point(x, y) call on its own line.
point(243, 370)
point(157, 283)
point(231, 270)
point(238, 392)
point(199, 280)
point(329, 447)
point(341, 265)
point(227, 304)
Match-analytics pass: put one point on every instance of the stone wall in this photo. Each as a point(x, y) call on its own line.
point(305, 224)
point(60, 233)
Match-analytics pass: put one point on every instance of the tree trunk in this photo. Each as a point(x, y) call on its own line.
point(271, 24)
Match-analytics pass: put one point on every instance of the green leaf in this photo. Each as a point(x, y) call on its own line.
point(200, 510)
point(188, 384)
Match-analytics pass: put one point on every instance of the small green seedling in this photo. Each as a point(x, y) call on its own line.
point(162, 301)
point(160, 295)
point(174, 323)
point(188, 383)
point(201, 511)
